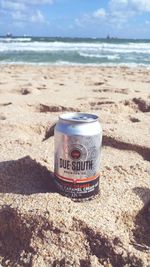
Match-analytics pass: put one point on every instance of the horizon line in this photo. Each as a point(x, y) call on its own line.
point(74, 37)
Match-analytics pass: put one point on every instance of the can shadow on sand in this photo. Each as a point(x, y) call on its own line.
point(25, 176)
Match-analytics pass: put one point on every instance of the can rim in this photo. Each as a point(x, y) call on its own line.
point(78, 117)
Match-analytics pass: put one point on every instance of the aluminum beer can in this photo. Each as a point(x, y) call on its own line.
point(78, 138)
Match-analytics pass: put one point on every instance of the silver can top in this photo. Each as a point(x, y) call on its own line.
point(78, 117)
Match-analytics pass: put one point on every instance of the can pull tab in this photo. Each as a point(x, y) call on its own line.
point(81, 118)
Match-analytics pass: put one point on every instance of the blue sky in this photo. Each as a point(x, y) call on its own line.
point(81, 18)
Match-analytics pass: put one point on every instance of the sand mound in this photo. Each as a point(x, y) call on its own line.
point(142, 228)
point(23, 238)
point(24, 176)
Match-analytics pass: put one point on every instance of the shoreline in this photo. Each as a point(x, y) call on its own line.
point(108, 65)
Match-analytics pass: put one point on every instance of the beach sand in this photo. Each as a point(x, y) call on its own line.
point(39, 227)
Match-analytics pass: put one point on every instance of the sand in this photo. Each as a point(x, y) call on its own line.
point(38, 226)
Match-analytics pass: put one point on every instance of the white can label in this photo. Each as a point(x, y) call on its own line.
point(77, 164)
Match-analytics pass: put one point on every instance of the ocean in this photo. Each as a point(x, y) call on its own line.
point(74, 51)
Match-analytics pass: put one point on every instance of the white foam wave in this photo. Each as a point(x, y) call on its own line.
point(113, 57)
point(110, 57)
point(63, 63)
point(14, 40)
point(24, 44)
point(82, 54)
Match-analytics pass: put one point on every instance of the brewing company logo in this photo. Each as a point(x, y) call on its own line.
point(77, 152)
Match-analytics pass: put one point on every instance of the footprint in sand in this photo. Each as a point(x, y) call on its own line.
point(82, 98)
point(121, 91)
point(42, 87)
point(28, 84)
point(118, 91)
point(138, 104)
point(25, 91)
point(142, 104)
point(61, 84)
point(3, 83)
point(2, 117)
point(97, 105)
point(99, 83)
point(102, 90)
point(42, 108)
point(133, 119)
point(5, 104)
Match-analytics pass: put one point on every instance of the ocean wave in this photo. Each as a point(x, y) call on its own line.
point(110, 57)
point(46, 46)
point(54, 52)
point(25, 44)
point(82, 54)
point(14, 40)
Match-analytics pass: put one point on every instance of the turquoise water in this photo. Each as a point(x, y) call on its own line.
point(75, 51)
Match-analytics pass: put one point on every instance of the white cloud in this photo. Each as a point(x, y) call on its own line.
point(12, 5)
point(22, 3)
point(147, 22)
point(16, 16)
point(18, 24)
point(23, 11)
point(38, 2)
point(99, 13)
point(117, 14)
point(119, 3)
point(139, 5)
point(120, 11)
point(79, 23)
point(38, 17)
point(82, 21)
